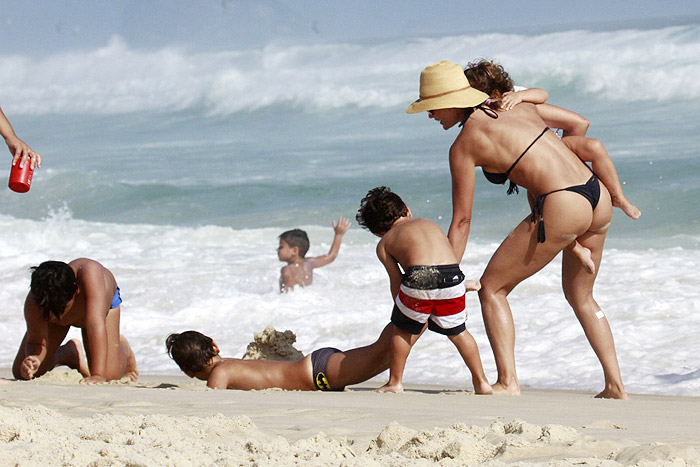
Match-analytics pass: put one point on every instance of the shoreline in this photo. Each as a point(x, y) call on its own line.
point(331, 423)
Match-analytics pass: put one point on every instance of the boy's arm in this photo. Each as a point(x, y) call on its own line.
point(34, 351)
point(91, 282)
point(392, 268)
point(219, 377)
point(532, 95)
point(592, 150)
point(286, 280)
point(340, 227)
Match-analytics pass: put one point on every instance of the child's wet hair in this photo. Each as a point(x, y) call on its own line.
point(191, 350)
point(52, 286)
point(380, 209)
point(489, 77)
point(296, 238)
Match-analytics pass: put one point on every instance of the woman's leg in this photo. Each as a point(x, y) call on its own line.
point(567, 215)
point(578, 290)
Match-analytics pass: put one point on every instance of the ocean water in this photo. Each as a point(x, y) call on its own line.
point(178, 169)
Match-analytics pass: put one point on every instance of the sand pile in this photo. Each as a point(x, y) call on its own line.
point(273, 345)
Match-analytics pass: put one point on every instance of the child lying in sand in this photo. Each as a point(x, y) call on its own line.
point(326, 369)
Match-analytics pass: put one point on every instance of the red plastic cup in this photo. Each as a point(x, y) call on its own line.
point(21, 179)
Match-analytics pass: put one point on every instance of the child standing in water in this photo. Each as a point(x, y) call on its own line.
point(430, 290)
point(293, 246)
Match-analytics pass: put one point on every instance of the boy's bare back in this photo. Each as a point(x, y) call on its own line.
point(234, 373)
point(417, 242)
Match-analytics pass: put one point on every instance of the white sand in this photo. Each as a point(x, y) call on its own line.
point(172, 420)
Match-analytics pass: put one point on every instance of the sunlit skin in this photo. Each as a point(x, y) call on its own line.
point(299, 269)
point(447, 117)
point(493, 143)
point(342, 369)
point(108, 353)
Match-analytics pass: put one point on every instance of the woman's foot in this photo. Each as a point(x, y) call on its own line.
point(500, 389)
point(481, 387)
point(613, 391)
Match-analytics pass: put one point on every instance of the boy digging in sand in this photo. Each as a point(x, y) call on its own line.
point(431, 289)
point(84, 294)
point(292, 249)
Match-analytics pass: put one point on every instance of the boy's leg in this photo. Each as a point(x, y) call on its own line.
point(584, 256)
point(360, 364)
point(401, 344)
point(71, 355)
point(592, 150)
point(467, 348)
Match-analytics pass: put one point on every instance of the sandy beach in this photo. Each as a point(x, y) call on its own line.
point(172, 420)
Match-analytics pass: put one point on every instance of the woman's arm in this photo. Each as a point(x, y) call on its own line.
point(463, 175)
point(17, 147)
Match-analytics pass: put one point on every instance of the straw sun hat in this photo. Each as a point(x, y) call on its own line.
point(444, 86)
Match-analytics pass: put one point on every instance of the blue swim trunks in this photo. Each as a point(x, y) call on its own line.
point(116, 300)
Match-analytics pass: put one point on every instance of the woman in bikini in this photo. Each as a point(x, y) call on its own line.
point(516, 146)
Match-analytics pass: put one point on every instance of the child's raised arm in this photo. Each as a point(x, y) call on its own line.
point(340, 227)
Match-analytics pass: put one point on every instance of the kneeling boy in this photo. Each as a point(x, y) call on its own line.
point(84, 294)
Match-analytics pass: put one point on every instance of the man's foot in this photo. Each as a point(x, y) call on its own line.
point(500, 389)
point(628, 208)
point(131, 371)
point(390, 388)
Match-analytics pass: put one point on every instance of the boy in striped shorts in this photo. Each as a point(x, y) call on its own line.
point(431, 288)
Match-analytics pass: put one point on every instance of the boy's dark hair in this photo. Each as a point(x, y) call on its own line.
point(296, 238)
point(489, 77)
point(52, 286)
point(380, 209)
point(191, 350)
